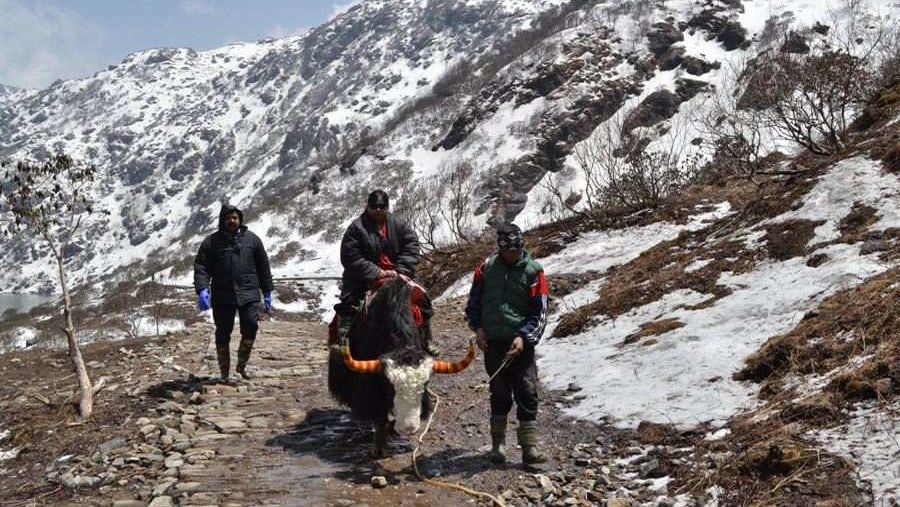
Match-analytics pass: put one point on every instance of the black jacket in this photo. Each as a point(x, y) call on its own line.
point(362, 244)
point(234, 268)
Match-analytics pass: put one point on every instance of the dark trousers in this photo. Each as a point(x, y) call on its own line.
point(517, 380)
point(223, 316)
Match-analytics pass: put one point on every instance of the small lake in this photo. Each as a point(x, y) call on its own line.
point(21, 303)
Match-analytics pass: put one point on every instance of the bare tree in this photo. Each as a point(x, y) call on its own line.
point(810, 99)
point(50, 201)
point(417, 206)
point(737, 135)
point(156, 297)
point(439, 208)
point(618, 171)
point(596, 157)
point(457, 187)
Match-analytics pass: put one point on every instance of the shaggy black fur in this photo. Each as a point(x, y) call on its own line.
point(386, 331)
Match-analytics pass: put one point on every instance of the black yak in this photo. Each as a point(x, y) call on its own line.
point(382, 375)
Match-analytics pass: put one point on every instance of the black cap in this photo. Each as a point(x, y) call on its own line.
point(509, 237)
point(378, 199)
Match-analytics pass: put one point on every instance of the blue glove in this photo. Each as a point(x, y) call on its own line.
point(203, 300)
point(267, 301)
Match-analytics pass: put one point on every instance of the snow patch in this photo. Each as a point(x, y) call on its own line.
point(871, 439)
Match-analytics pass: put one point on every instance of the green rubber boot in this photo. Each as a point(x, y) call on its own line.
point(498, 440)
point(528, 439)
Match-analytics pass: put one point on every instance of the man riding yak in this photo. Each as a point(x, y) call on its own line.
point(377, 247)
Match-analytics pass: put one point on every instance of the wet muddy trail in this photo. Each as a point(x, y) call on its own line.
point(167, 434)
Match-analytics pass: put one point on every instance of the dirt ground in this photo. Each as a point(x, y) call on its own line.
point(165, 432)
point(293, 445)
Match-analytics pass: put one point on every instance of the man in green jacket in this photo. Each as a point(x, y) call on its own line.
point(507, 310)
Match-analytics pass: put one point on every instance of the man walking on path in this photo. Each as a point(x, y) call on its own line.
point(507, 310)
point(230, 270)
point(377, 245)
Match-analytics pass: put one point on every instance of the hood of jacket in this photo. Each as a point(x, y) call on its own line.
point(227, 209)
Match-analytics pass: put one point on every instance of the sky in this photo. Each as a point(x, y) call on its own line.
point(45, 40)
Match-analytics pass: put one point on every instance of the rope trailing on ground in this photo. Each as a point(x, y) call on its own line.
point(459, 487)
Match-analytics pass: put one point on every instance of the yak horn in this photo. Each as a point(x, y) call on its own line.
point(370, 366)
point(448, 367)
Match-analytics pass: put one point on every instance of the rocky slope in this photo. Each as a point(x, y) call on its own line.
point(388, 94)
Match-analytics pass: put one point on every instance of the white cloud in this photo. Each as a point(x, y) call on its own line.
point(199, 7)
point(338, 9)
point(42, 43)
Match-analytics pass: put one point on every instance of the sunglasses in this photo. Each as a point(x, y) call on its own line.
point(378, 206)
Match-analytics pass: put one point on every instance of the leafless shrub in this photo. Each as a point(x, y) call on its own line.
point(440, 209)
point(648, 177)
point(617, 171)
point(810, 99)
point(737, 135)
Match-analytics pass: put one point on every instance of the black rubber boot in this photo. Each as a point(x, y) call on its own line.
point(527, 434)
point(498, 440)
point(224, 357)
point(244, 350)
point(427, 340)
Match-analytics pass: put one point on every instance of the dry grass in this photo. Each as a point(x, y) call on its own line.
point(659, 271)
point(864, 321)
point(770, 463)
point(854, 226)
point(655, 328)
point(788, 239)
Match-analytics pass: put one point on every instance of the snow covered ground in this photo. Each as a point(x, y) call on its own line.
point(686, 378)
point(872, 440)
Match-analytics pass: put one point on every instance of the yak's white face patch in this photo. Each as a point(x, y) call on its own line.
point(409, 386)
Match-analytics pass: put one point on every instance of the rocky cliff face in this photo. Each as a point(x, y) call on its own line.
point(389, 94)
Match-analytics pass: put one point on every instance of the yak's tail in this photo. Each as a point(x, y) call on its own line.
point(340, 378)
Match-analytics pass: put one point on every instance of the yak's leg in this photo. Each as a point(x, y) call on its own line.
point(381, 431)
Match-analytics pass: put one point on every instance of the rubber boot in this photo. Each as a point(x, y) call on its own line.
point(224, 357)
point(498, 440)
point(244, 350)
point(527, 434)
point(345, 322)
point(430, 348)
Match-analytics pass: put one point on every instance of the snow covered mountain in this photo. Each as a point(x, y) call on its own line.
point(274, 126)
point(7, 90)
point(389, 94)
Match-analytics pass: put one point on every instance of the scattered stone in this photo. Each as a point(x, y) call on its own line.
point(649, 467)
point(874, 245)
point(80, 481)
point(164, 487)
point(379, 481)
point(162, 501)
point(546, 484)
point(129, 503)
point(188, 487)
point(111, 445)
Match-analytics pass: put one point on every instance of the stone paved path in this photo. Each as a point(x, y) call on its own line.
point(274, 440)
